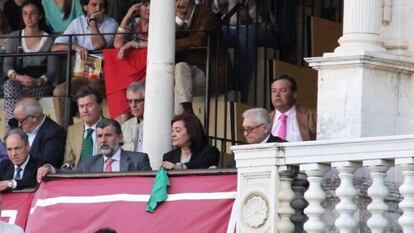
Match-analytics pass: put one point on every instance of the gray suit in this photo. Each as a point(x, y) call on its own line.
point(130, 161)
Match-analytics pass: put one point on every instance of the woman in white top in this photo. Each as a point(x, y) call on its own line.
point(29, 76)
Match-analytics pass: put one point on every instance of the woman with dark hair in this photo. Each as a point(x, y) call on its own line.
point(29, 76)
point(60, 13)
point(191, 149)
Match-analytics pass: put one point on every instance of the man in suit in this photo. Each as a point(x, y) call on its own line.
point(290, 122)
point(111, 158)
point(132, 129)
point(46, 138)
point(19, 171)
point(256, 127)
point(81, 138)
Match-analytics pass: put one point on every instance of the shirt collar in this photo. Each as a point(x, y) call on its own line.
point(116, 156)
point(38, 127)
point(23, 165)
point(289, 113)
point(91, 127)
point(266, 138)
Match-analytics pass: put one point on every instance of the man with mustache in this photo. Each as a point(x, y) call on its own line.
point(111, 157)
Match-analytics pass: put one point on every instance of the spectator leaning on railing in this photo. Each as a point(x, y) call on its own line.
point(93, 22)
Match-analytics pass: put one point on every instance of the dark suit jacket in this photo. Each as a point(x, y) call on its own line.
point(232, 163)
point(29, 175)
point(208, 156)
point(130, 161)
point(306, 121)
point(49, 144)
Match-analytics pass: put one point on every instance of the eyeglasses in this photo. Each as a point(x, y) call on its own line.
point(21, 121)
point(250, 130)
point(135, 101)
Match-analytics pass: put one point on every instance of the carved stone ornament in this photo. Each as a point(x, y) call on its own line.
point(255, 211)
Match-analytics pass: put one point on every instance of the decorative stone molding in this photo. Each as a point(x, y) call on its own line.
point(255, 210)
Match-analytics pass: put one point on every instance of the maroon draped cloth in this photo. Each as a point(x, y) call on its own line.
point(118, 74)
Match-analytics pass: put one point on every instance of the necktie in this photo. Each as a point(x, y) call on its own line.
point(87, 144)
point(282, 130)
point(108, 165)
point(18, 175)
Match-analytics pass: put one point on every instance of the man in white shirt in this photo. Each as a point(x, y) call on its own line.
point(19, 170)
point(290, 122)
point(132, 129)
point(94, 22)
point(7, 227)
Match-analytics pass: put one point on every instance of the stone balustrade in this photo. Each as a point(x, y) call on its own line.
point(370, 175)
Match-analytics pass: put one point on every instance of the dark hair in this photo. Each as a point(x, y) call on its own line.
point(19, 132)
point(105, 230)
point(292, 82)
point(4, 26)
point(86, 91)
point(107, 122)
point(67, 7)
point(42, 22)
point(198, 138)
point(86, 2)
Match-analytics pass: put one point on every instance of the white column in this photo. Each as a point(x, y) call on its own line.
point(362, 25)
point(286, 195)
point(159, 81)
point(407, 191)
point(346, 192)
point(314, 195)
point(378, 191)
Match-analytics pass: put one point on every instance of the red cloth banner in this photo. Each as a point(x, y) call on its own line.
point(16, 208)
point(199, 204)
point(118, 74)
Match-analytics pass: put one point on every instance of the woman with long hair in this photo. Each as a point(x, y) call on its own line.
point(190, 145)
point(29, 76)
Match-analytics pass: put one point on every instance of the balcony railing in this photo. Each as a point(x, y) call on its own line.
point(371, 175)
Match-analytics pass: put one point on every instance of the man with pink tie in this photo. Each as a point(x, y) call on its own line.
point(290, 122)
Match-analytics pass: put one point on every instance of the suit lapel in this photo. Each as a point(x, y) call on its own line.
point(34, 147)
point(301, 116)
point(28, 169)
point(10, 171)
point(77, 140)
point(124, 162)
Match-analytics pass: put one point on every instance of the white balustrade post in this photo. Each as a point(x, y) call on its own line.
point(314, 195)
point(407, 191)
point(378, 191)
point(286, 195)
point(346, 192)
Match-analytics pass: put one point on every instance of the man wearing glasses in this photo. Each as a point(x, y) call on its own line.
point(257, 126)
point(46, 137)
point(133, 128)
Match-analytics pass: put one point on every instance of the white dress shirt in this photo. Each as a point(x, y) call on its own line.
point(32, 135)
point(116, 161)
point(292, 126)
point(80, 26)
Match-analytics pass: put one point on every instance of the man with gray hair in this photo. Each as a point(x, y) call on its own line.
point(111, 157)
point(46, 138)
point(133, 128)
point(19, 170)
point(257, 126)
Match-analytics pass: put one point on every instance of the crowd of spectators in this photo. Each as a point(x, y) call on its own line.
point(97, 144)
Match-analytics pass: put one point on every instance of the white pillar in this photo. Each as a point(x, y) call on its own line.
point(362, 24)
point(160, 80)
point(286, 196)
